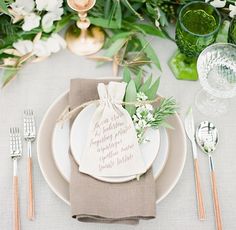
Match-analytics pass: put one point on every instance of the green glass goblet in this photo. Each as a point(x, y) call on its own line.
point(197, 27)
point(232, 31)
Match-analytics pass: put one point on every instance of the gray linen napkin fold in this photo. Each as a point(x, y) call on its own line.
point(96, 201)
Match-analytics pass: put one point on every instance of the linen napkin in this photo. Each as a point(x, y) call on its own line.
point(96, 201)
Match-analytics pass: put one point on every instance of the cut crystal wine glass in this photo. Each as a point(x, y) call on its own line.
point(216, 67)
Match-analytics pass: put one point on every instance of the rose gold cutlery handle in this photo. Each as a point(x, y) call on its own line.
point(200, 203)
point(30, 184)
point(16, 211)
point(216, 202)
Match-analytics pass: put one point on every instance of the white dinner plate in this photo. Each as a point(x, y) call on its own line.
point(60, 145)
point(165, 182)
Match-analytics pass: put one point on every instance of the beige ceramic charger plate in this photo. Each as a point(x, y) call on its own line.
point(164, 183)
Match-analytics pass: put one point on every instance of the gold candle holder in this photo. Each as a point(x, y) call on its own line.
point(82, 38)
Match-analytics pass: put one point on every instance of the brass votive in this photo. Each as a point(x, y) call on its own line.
point(82, 38)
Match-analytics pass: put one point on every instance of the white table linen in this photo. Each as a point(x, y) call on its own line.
point(39, 84)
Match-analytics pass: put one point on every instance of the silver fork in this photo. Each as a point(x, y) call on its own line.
point(16, 153)
point(29, 136)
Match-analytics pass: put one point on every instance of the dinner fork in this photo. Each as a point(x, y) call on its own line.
point(16, 153)
point(29, 136)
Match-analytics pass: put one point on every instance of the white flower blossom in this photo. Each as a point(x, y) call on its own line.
point(31, 21)
point(149, 107)
point(141, 96)
point(23, 46)
point(41, 49)
point(150, 117)
point(217, 3)
point(142, 123)
point(44, 48)
point(141, 109)
point(157, 23)
point(232, 9)
point(142, 119)
point(135, 118)
point(49, 18)
point(55, 43)
point(47, 5)
point(23, 7)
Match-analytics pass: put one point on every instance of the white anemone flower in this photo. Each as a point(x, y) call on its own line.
point(55, 43)
point(41, 49)
point(217, 3)
point(44, 48)
point(49, 18)
point(47, 5)
point(31, 21)
point(23, 7)
point(232, 9)
point(23, 46)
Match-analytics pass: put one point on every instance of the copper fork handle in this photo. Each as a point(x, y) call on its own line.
point(200, 203)
point(16, 210)
point(30, 189)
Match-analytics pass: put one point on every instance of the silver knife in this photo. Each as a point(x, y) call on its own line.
point(190, 130)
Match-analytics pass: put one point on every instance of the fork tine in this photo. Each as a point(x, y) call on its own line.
point(15, 141)
point(29, 122)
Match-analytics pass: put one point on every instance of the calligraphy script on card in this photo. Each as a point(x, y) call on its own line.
point(112, 148)
point(110, 143)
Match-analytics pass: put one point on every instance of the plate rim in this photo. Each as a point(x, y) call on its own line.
point(62, 95)
point(155, 176)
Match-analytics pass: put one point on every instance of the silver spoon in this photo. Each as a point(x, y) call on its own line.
point(207, 138)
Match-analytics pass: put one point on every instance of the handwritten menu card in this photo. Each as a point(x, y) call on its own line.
point(112, 149)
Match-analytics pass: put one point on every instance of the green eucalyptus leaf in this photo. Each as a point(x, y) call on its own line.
point(131, 9)
point(107, 7)
point(152, 91)
point(112, 10)
point(130, 96)
point(62, 23)
point(146, 85)
point(138, 80)
point(104, 23)
point(118, 14)
point(151, 10)
point(126, 75)
point(3, 7)
point(150, 29)
point(115, 47)
point(150, 52)
point(8, 75)
point(117, 36)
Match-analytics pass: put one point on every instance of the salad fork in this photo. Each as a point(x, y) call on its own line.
point(16, 154)
point(29, 136)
